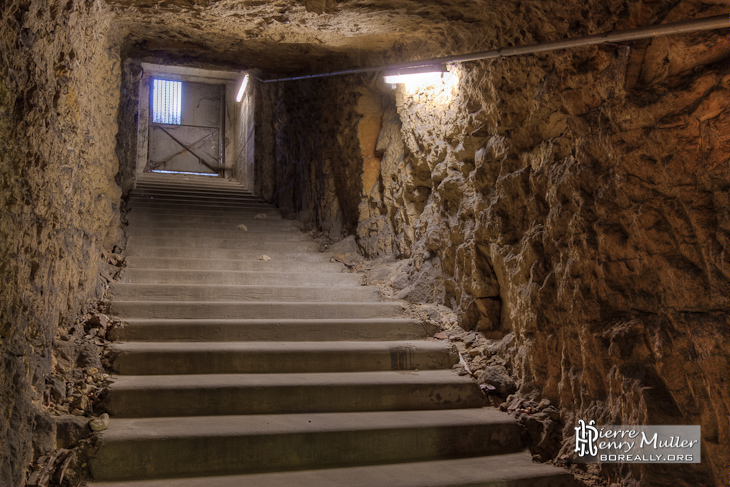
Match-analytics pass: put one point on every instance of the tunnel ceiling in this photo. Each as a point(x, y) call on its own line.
point(290, 36)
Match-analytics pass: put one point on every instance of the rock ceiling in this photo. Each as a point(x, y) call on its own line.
point(293, 36)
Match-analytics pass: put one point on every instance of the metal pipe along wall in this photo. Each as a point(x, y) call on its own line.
point(683, 27)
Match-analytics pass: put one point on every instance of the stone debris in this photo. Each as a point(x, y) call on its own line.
point(463, 363)
point(50, 469)
point(99, 424)
point(260, 216)
point(242, 227)
point(265, 258)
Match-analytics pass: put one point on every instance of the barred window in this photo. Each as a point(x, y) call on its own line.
point(166, 101)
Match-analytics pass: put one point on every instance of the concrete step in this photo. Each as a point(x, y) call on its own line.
point(192, 196)
point(222, 193)
point(203, 210)
point(204, 445)
point(218, 292)
point(293, 329)
point(215, 205)
point(235, 190)
point(209, 186)
point(151, 358)
point(137, 202)
point(271, 310)
point(151, 396)
point(186, 181)
point(241, 241)
point(293, 278)
point(157, 211)
point(230, 233)
point(227, 254)
point(148, 204)
point(253, 226)
point(257, 265)
point(209, 183)
point(275, 222)
point(507, 470)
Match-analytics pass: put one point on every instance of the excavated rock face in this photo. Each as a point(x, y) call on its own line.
point(59, 204)
point(572, 206)
point(589, 222)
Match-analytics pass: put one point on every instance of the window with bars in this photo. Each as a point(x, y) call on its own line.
point(167, 101)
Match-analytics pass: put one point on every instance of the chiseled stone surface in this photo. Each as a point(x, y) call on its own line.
point(572, 206)
point(597, 239)
point(59, 209)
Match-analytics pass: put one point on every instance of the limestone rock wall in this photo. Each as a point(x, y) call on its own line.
point(309, 158)
point(245, 142)
point(59, 91)
point(572, 206)
point(128, 123)
point(587, 223)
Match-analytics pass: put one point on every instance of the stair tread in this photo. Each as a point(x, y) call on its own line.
point(344, 346)
point(130, 429)
point(266, 321)
point(142, 262)
point(254, 309)
point(266, 277)
point(242, 292)
point(312, 379)
point(228, 254)
point(204, 226)
point(227, 234)
point(196, 197)
point(232, 286)
point(241, 237)
point(261, 304)
point(205, 204)
point(244, 244)
point(287, 329)
point(204, 271)
point(482, 471)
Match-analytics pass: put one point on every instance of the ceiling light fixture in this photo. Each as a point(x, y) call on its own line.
point(422, 74)
point(242, 89)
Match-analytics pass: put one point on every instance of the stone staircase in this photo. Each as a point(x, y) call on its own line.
point(237, 371)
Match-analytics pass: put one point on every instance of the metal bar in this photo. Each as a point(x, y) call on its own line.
point(683, 27)
point(185, 149)
point(200, 158)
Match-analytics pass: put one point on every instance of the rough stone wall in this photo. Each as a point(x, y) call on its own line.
point(59, 91)
point(309, 156)
point(128, 123)
point(245, 139)
point(572, 207)
point(589, 224)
